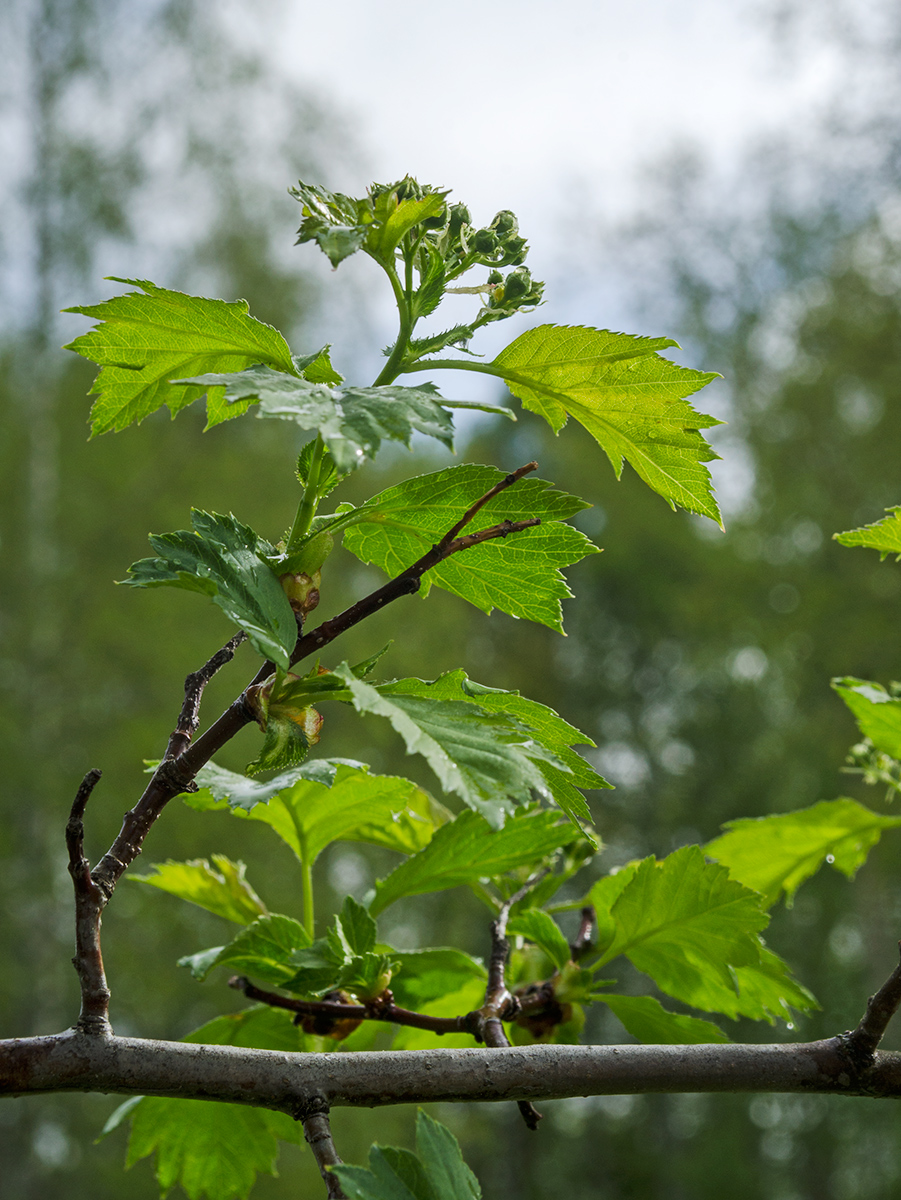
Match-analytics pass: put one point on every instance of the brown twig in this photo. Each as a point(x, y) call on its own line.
point(189, 717)
point(89, 902)
point(862, 1041)
point(317, 1132)
point(581, 944)
point(500, 1004)
point(381, 1009)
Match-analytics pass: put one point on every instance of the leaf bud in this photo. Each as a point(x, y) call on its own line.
point(504, 223)
point(459, 216)
point(302, 590)
point(484, 241)
point(517, 285)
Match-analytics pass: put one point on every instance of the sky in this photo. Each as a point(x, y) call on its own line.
point(511, 103)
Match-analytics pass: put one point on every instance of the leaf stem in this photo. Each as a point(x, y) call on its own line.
point(392, 367)
point(309, 502)
point(306, 873)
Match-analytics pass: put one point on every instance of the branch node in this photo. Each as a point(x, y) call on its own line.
point(861, 1042)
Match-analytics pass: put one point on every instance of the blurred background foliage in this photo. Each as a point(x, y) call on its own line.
point(698, 660)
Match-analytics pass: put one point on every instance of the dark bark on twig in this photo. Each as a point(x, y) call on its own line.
point(73, 1062)
point(500, 1004)
point(380, 1009)
point(318, 1135)
point(582, 941)
point(189, 717)
point(88, 960)
point(863, 1040)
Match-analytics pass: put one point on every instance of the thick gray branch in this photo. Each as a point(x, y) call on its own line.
point(291, 1082)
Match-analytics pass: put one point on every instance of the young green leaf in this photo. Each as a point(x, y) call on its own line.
point(351, 420)
point(226, 561)
point(426, 975)
point(629, 398)
point(220, 888)
point(290, 729)
point(778, 853)
point(357, 926)
point(467, 849)
point(266, 949)
point(543, 930)
point(648, 1021)
point(550, 731)
point(685, 923)
point(519, 575)
point(436, 1172)
point(487, 759)
point(884, 535)
point(144, 341)
point(877, 712)
point(326, 801)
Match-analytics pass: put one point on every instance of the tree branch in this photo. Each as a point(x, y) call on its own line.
point(500, 1004)
point(89, 902)
point(318, 1134)
point(189, 717)
point(72, 1061)
point(863, 1040)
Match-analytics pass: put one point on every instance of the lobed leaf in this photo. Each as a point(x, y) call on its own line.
point(883, 535)
point(266, 949)
point(436, 1172)
point(629, 398)
point(694, 930)
point(144, 341)
point(352, 420)
point(467, 849)
point(877, 712)
point(325, 801)
point(520, 575)
point(221, 888)
point(227, 561)
point(543, 930)
point(487, 759)
point(776, 854)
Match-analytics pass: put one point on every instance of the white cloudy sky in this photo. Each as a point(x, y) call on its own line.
point(508, 102)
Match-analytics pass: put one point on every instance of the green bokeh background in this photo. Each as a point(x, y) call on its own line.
point(700, 661)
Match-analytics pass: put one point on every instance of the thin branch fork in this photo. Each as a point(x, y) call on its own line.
point(89, 903)
point(881, 1007)
point(189, 717)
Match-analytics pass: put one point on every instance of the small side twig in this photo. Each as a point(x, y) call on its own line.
point(189, 717)
point(581, 944)
point(318, 1134)
point(862, 1041)
point(381, 1009)
point(500, 1004)
point(89, 904)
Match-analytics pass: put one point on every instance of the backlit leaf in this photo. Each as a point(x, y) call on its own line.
point(628, 397)
point(648, 1021)
point(520, 574)
point(266, 949)
point(436, 1172)
point(220, 888)
point(325, 801)
point(778, 853)
point(878, 714)
point(144, 341)
point(884, 535)
point(543, 930)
